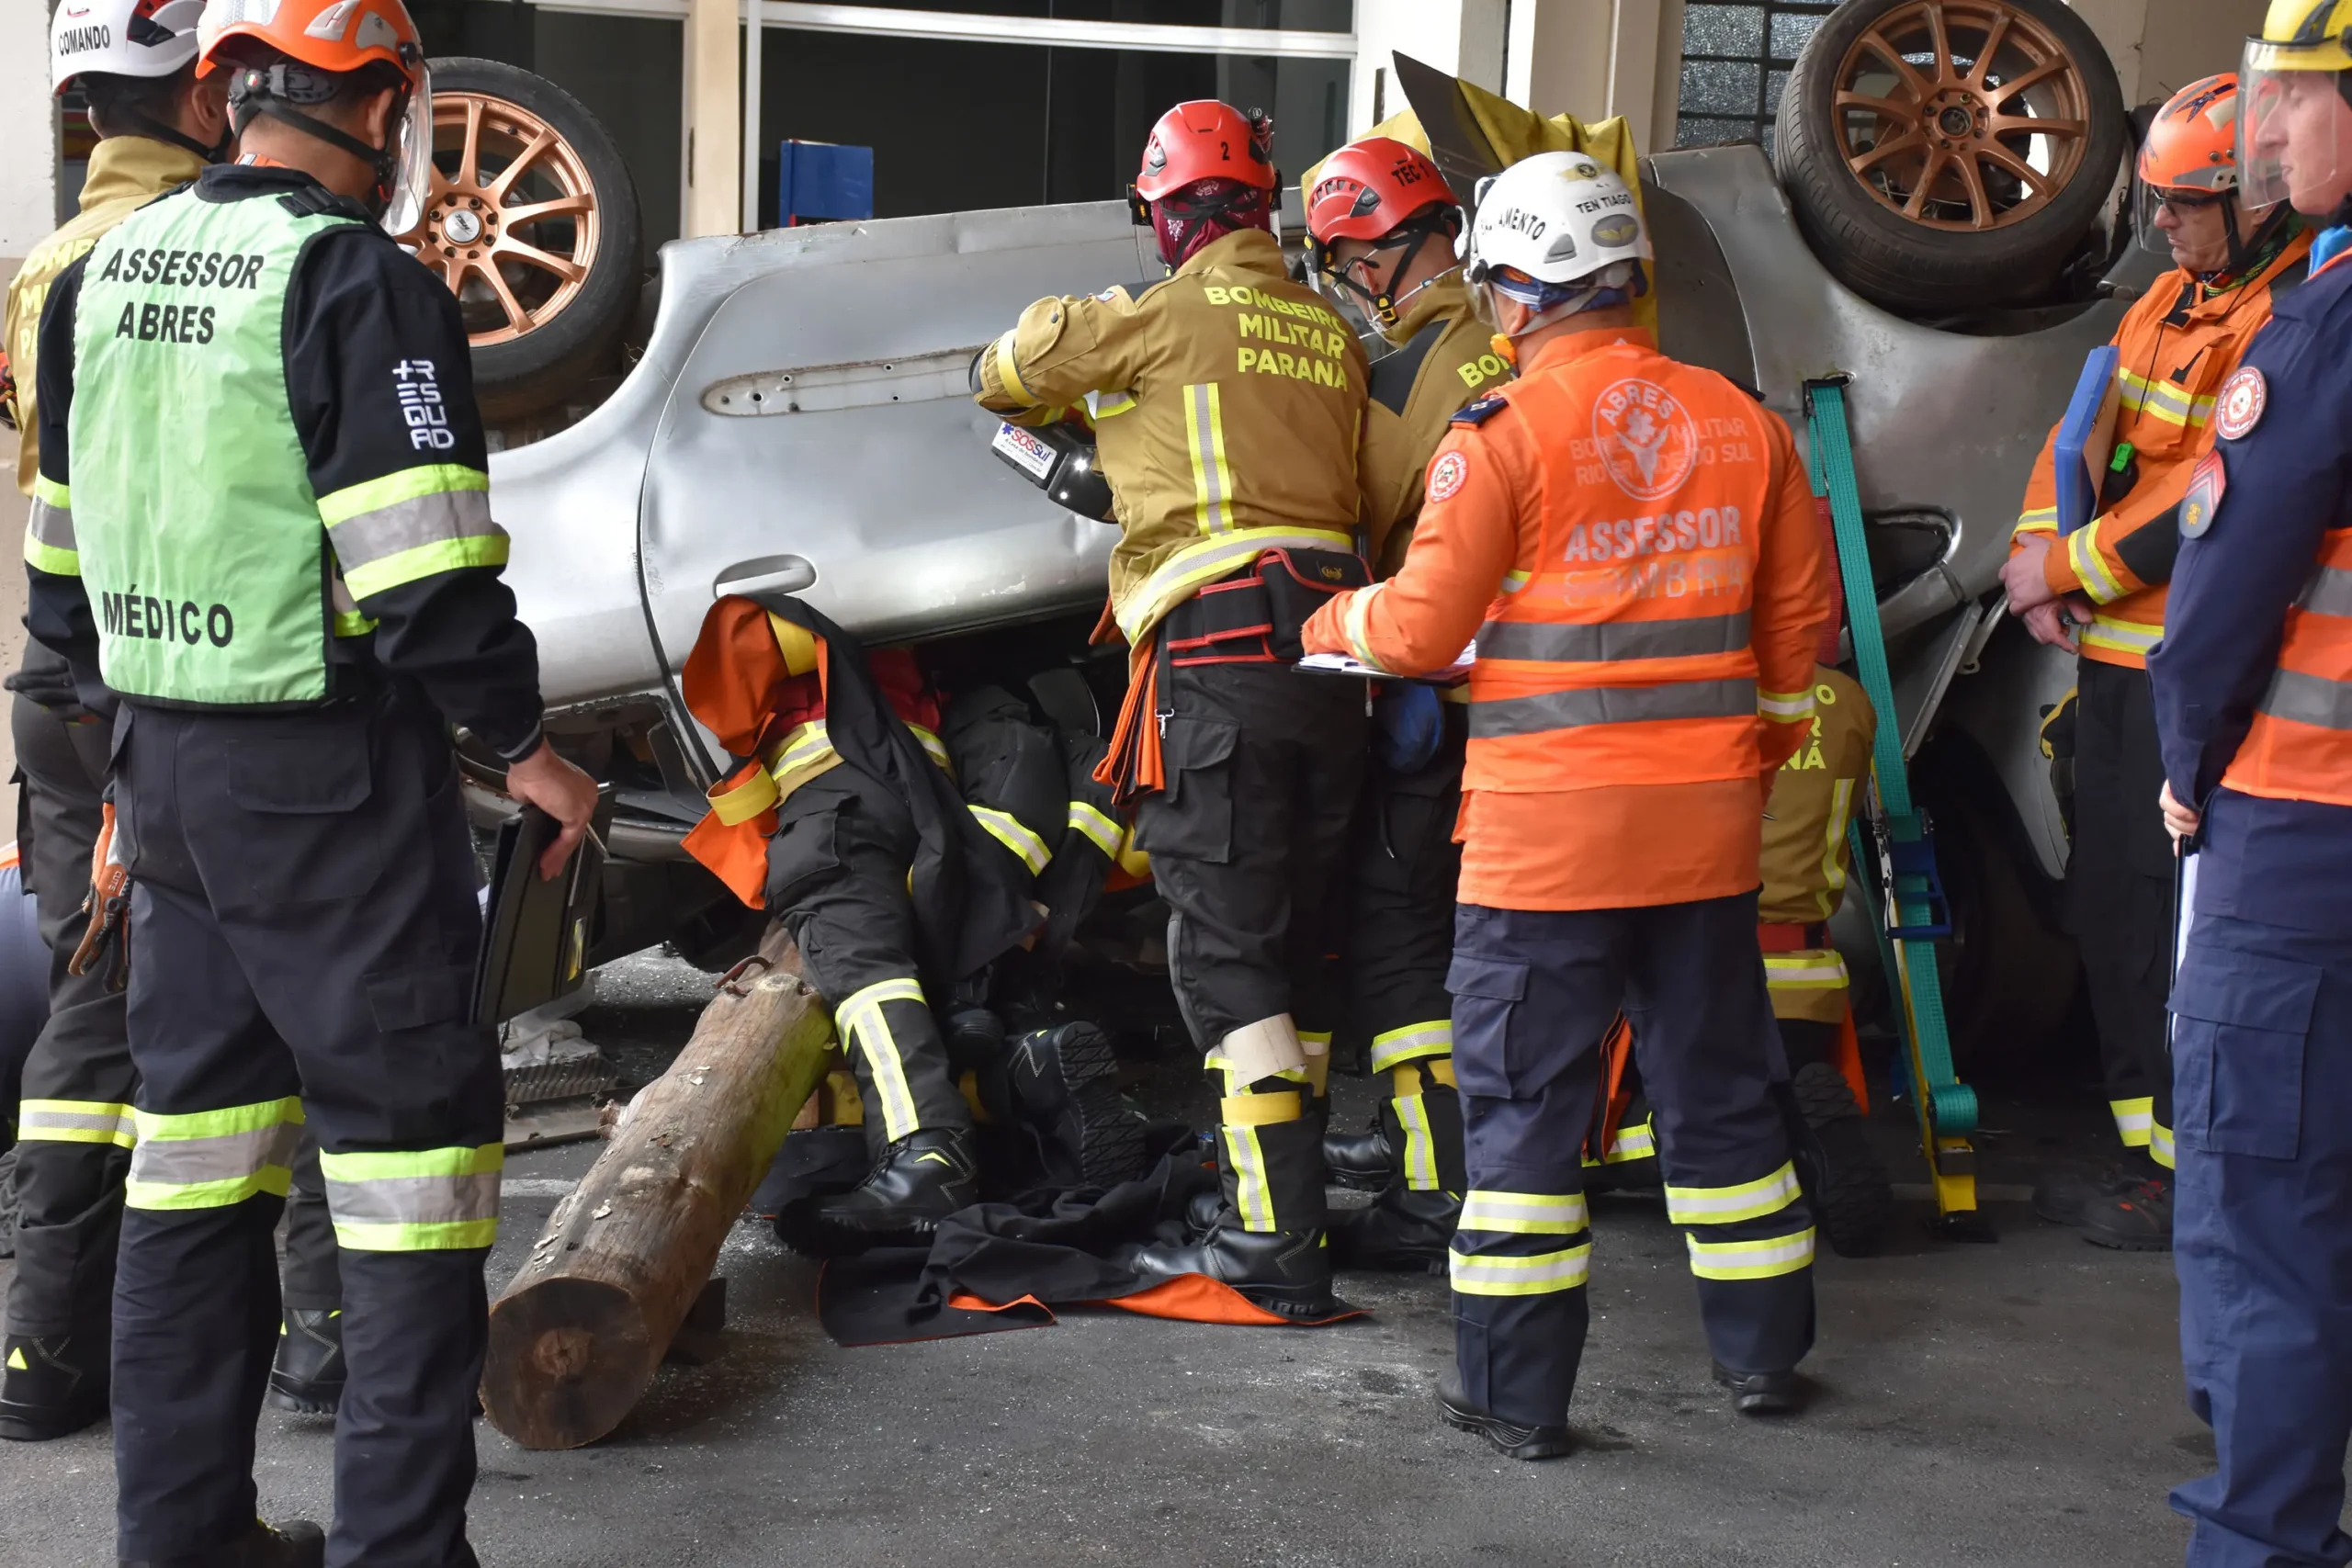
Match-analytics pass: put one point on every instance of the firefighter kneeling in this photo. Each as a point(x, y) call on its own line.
point(1638, 539)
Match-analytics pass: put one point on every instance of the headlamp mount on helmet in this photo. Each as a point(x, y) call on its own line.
point(283, 88)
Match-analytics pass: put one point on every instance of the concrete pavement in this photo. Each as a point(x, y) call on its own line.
point(2008, 1404)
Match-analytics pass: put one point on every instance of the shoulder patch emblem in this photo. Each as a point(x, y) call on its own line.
point(2207, 484)
point(1481, 411)
point(2239, 409)
point(1446, 476)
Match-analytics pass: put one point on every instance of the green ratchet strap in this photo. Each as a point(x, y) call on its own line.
point(1917, 916)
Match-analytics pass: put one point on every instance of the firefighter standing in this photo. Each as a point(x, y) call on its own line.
point(2252, 692)
point(1230, 405)
point(264, 478)
point(1384, 222)
point(2234, 257)
point(1639, 540)
point(134, 63)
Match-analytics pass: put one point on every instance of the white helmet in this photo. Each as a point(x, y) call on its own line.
point(120, 37)
point(1567, 229)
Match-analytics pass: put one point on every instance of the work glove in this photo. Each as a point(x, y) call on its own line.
point(109, 908)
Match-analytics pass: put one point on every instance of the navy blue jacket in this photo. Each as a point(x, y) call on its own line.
point(2288, 482)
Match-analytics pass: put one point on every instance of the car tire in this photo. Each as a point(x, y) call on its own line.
point(538, 236)
point(1902, 174)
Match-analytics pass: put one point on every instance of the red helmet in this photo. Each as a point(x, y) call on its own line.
point(1369, 188)
point(1204, 140)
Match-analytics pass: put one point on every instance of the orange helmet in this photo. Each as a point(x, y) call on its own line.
point(1204, 140)
point(290, 53)
point(2193, 143)
point(1388, 194)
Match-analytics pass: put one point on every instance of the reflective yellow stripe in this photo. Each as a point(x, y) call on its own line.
point(1815, 969)
point(860, 1020)
point(1006, 830)
point(736, 806)
point(1787, 708)
point(414, 1201)
point(209, 1159)
point(1515, 580)
point(1009, 371)
point(76, 1121)
point(49, 492)
point(2124, 636)
point(1097, 826)
point(1205, 560)
point(1751, 1259)
point(1637, 1142)
point(2083, 555)
point(1722, 1205)
point(50, 559)
point(1251, 1196)
point(2044, 521)
point(2136, 1120)
point(1393, 1048)
point(1262, 1109)
point(1101, 406)
point(1205, 444)
point(2160, 1143)
point(1524, 1213)
point(427, 561)
point(934, 748)
point(2165, 400)
point(1545, 1273)
point(1420, 1143)
point(1833, 851)
point(1359, 637)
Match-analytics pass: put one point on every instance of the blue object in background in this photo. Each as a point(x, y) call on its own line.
point(818, 180)
point(2087, 439)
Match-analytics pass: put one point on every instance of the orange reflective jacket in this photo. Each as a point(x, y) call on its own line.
point(1633, 542)
point(2179, 342)
point(2299, 747)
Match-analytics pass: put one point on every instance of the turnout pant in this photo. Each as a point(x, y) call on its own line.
point(2119, 896)
point(837, 872)
point(1403, 870)
point(304, 932)
point(1263, 766)
point(73, 1125)
point(2262, 1237)
point(1534, 991)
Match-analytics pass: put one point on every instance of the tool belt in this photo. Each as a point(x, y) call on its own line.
point(1255, 615)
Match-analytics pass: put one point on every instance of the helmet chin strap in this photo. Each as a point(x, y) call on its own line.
point(382, 160)
point(137, 124)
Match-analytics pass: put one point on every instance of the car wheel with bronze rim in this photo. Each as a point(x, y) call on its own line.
point(1951, 154)
point(532, 222)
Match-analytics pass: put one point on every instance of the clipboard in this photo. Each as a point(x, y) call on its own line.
point(1454, 674)
point(2086, 442)
point(534, 945)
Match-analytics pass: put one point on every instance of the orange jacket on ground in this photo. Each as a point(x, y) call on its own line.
point(1633, 542)
point(2179, 342)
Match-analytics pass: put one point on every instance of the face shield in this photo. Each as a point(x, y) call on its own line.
point(2294, 128)
point(411, 158)
point(2193, 211)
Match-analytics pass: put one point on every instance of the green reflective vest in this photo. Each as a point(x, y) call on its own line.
point(201, 541)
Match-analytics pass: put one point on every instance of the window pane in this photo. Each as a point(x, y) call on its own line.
point(1692, 131)
point(1773, 81)
point(1790, 33)
point(1719, 88)
point(1722, 29)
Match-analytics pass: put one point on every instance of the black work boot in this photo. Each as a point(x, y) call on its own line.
point(307, 1377)
point(1065, 1089)
point(1363, 1162)
point(1287, 1269)
point(51, 1387)
point(1513, 1439)
point(918, 1181)
point(2136, 1219)
point(297, 1543)
point(1853, 1200)
point(1762, 1393)
point(1401, 1230)
point(2065, 1197)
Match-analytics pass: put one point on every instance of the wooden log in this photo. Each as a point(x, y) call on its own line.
point(576, 1335)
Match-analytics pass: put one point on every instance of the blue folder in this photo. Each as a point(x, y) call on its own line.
point(2087, 439)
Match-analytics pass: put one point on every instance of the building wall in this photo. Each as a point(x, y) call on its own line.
point(2161, 46)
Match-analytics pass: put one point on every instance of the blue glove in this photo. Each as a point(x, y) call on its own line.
point(1407, 725)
